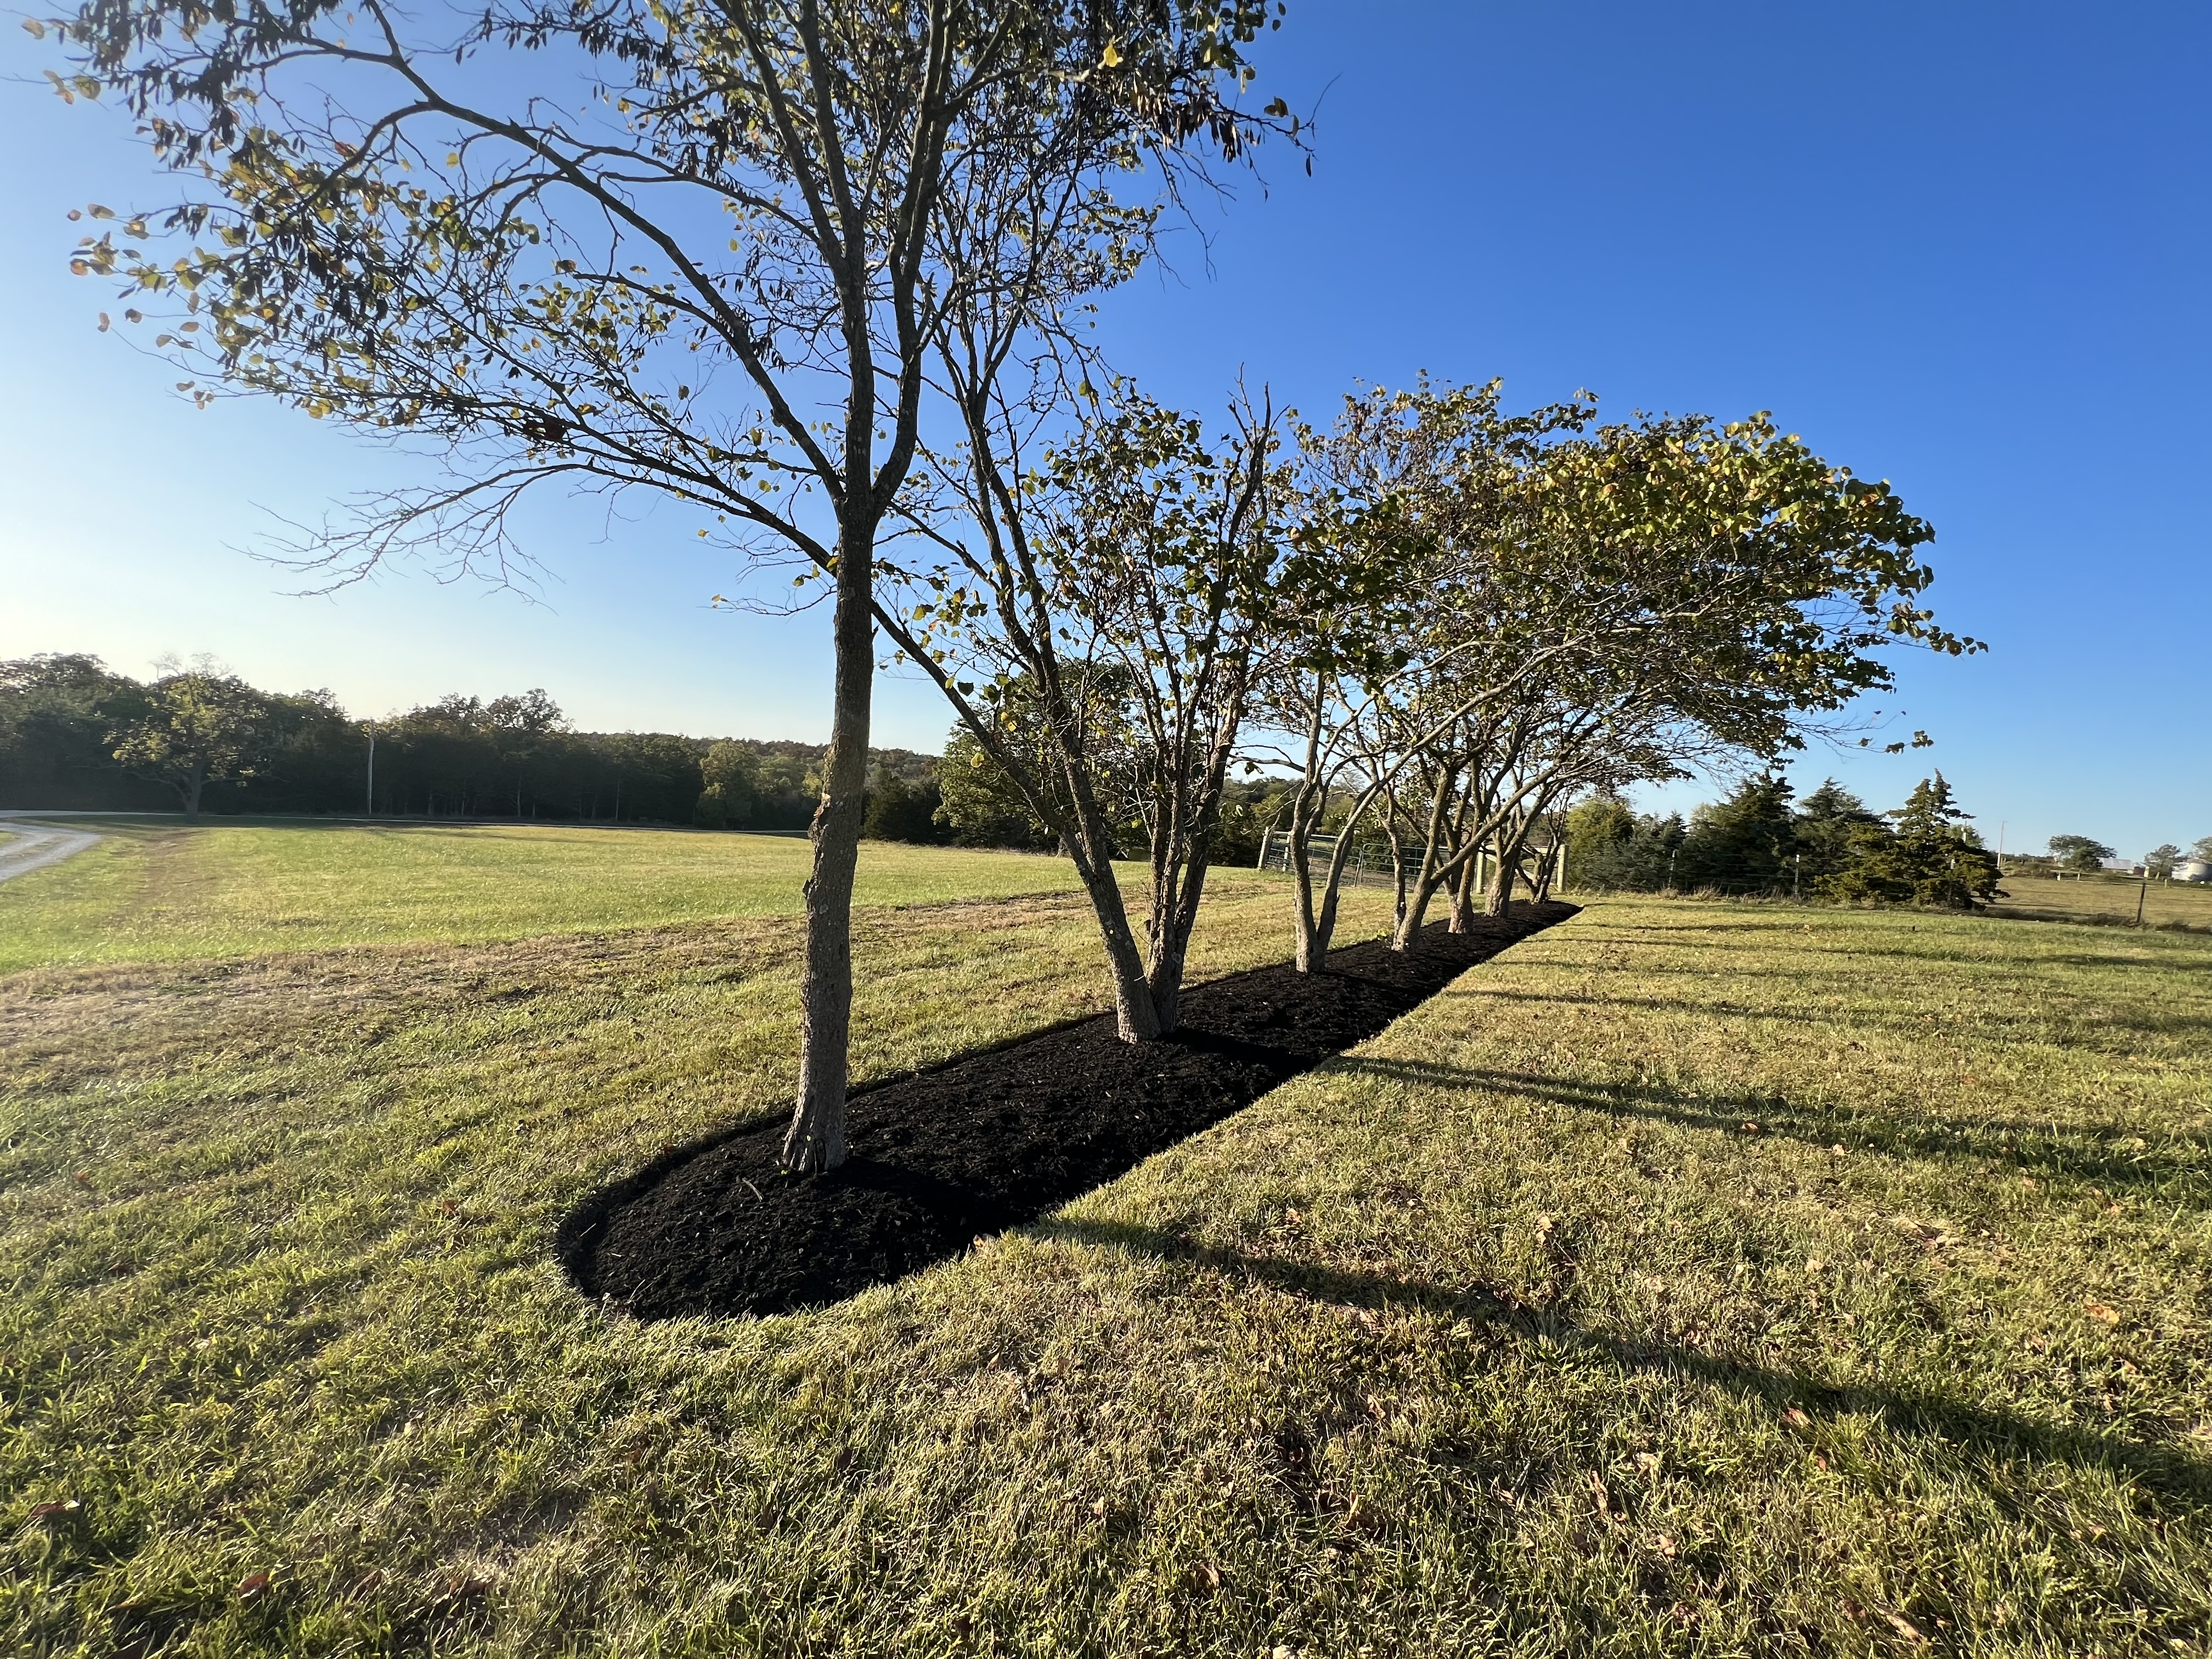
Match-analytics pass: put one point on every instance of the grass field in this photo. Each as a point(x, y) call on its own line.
point(1693, 1279)
point(155, 891)
point(2165, 903)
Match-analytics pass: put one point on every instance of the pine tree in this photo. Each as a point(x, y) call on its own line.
point(1932, 857)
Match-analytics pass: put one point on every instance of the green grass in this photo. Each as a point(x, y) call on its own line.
point(1693, 1279)
point(154, 891)
point(2040, 897)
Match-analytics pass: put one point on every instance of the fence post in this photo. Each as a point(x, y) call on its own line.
point(1264, 835)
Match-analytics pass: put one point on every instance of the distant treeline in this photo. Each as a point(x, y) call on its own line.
point(76, 735)
point(1759, 840)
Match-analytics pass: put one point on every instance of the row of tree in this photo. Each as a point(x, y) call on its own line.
point(1756, 841)
point(821, 270)
point(76, 734)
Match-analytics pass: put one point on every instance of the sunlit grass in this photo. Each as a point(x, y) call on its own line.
point(2163, 904)
point(1694, 1278)
point(154, 890)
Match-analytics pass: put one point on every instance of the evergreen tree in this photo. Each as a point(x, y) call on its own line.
point(1610, 848)
point(1827, 819)
point(900, 810)
point(1743, 844)
point(1932, 857)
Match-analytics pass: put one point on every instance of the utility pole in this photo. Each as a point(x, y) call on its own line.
point(371, 768)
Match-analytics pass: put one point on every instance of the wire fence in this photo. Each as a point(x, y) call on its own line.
point(1372, 863)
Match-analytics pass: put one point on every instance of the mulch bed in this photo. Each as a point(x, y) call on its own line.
point(988, 1141)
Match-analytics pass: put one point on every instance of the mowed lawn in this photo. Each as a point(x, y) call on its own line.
point(157, 891)
point(1692, 1278)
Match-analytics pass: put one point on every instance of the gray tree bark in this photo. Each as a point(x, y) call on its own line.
point(816, 1141)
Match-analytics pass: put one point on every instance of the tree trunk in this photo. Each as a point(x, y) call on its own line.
point(1397, 875)
point(1171, 940)
point(1315, 930)
point(1312, 947)
point(1501, 887)
point(1135, 1019)
point(1310, 803)
point(1462, 910)
point(817, 1137)
point(193, 795)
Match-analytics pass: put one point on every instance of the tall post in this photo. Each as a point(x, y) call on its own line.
point(372, 769)
point(1264, 835)
point(2142, 893)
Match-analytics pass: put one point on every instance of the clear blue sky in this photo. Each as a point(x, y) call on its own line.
point(1964, 248)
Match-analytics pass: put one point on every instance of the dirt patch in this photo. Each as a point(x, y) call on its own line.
point(987, 1141)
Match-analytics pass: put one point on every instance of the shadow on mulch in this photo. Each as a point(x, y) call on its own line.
point(987, 1141)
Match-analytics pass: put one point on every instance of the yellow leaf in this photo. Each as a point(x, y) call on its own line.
point(1113, 55)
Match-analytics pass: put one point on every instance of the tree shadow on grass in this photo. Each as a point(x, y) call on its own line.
point(2147, 1024)
point(2038, 1148)
point(2173, 1473)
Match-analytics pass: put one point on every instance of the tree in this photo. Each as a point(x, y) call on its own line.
point(56, 712)
point(1637, 596)
point(1932, 858)
point(2160, 860)
point(900, 810)
point(1826, 820)
point(2079, 852)
point(2202, 847)
point(193, 726)
point(1610, 848)
point(980, 805)
point(1595, 828)
point(757, 210)
point(1744, 843)
point(1399, 630)
point(1100, 637)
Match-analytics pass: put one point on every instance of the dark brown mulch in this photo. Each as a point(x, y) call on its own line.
point(988, 1140)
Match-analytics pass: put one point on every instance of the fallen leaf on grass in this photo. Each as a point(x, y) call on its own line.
point(2099, 1311)
point(253, 1585)
point(1904, 1626)
point(1795, 1419)
point(47, 1511)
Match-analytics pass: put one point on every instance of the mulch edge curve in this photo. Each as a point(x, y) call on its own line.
point(576, 1235)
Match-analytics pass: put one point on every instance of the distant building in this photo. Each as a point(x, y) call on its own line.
point(2198, 870)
